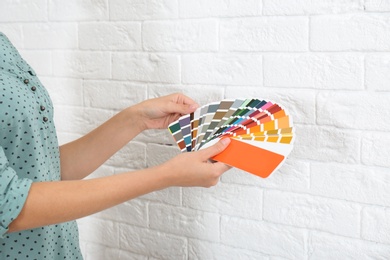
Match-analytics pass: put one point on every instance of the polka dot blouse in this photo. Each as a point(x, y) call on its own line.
point(29, 153)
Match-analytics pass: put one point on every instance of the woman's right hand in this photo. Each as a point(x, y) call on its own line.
point(195, 168)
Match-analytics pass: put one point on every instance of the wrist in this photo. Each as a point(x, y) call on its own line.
point(134, 119)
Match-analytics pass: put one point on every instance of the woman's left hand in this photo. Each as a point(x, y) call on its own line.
point(158, 113)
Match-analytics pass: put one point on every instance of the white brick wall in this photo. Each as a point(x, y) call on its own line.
point(326, 61)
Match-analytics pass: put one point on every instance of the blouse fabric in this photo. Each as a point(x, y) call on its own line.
point(29, 152)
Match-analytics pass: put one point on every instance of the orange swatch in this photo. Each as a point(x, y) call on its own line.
point(252, 159)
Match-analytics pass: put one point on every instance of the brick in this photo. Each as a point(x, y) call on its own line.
point(103, 232)
point(114, 253)
point(198, 249)
point(294, 175)
point(319, 71)
point(134, 152)
point(357, 183)
point(50, 36)
point(219, 8)
point(263, 237)
point(184, 222)
point(162, 68)
point(187, 35)
point(375, 224)
point(355, 32)
point(133, 212)
point(110, 36)
point(375, 148)
point(377, 72)
point(264, 34)
point(158, 154)
point(152, 243)
point(226, 199)
point(219, 69)
point(300, 104)
point(377, 5)
point(65, 92)
point(326, 246)
point(74, 10)
point(77, 64)
point(78, 120)
point(40, 61)
point(326, 144)
point(357, 110)
point(116, 95)
point(93, 250)
point(23, 11)
point(307, 7)
point(169, 196)
point(306, 211)
point(98, 252)
point(141, 10)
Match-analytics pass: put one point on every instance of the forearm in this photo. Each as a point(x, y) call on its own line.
point(82, 156)
point(56, 202)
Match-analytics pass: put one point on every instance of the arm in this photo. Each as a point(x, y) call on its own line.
point(55, 202)
point(84, 155)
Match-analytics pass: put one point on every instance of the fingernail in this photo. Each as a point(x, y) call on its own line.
point(194, 106)
point(225, 140)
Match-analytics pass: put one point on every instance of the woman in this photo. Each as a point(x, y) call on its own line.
point(41, 186)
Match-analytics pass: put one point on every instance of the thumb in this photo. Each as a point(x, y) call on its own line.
point(216, 148)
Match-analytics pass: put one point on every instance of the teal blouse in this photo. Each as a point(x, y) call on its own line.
point(29, 153)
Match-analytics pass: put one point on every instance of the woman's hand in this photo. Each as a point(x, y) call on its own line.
point(158, 113)
point(195, 168)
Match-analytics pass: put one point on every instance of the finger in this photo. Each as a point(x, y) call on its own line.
point(215, 149)
point(221, 167)
point(183, 99)
point(175, 108)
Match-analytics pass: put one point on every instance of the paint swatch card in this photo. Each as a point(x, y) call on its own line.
point(261, 133)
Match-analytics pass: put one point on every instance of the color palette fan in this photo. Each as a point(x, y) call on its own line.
point(261, 133)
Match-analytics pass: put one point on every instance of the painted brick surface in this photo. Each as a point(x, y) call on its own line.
point(180, 35)
point(145, 67)
point(326, 61)
point(320, 71)
point(23, 11)
point(333, 216)
point(110, 36)
point(217, 69)
point(376, 225)
point(306, 7)
point(374, 149)
point(219, 8)
point(264, 34)
point(351, 32)
point(352, 182)
point(377, 72)
point(74, 10)
point(377, 5)
point(232, 200)
point(353, 110)
point(263, 237)
point(126, 10)
point(184, 222)
point(326, 246)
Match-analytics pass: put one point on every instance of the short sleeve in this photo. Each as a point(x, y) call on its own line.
point(13, 193)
